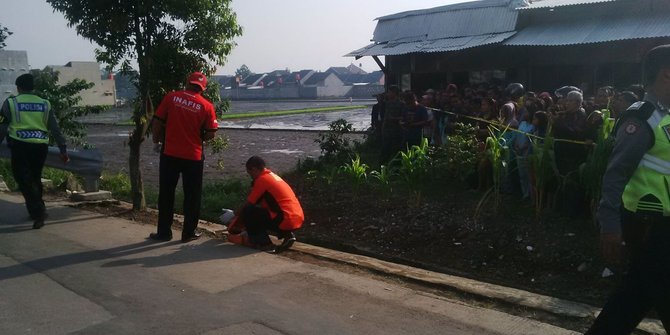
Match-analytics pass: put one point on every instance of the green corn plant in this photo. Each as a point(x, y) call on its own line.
point(497, 152)
point(543, 168)
point(383, 177)
point(414, 164)
point(356, 170)
point(592, 171)
point(327, 175)
point(330, 174)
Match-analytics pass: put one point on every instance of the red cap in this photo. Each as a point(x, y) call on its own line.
point(197, 78)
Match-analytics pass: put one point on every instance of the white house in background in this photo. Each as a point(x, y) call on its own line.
point(104, 91)
point(326, 84)
point(13, 63)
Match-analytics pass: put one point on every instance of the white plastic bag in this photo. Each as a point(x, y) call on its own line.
point(226, 216)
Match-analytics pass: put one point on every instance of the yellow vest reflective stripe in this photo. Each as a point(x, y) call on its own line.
point(648, 189)
point(30, 117)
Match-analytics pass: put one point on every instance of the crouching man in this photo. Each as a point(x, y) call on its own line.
point(271, 206)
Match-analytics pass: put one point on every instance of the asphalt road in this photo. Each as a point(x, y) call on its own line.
point(84, 273)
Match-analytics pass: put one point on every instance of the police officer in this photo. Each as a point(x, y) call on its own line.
point(27, 120)
point(636, 194)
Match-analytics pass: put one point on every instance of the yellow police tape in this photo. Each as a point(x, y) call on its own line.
point(507, 128)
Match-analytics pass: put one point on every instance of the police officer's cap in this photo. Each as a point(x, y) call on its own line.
point(656, 59)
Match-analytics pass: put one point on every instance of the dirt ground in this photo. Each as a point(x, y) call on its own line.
point(557, 256)
point(281, 149)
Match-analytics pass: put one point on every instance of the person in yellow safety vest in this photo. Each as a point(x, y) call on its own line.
point(635, 205)
point(27, 120)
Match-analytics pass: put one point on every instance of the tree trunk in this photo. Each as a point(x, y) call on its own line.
point(136, 139)
point(136, 185)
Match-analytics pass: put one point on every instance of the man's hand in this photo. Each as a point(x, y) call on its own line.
point(65, 158)
point(157, 147)
point(611, 248)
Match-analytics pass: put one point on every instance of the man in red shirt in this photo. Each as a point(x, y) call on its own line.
point(183, 120)
point(271, 206)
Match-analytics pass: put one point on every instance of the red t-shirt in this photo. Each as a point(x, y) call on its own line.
point(186, 114)
point(270, 191)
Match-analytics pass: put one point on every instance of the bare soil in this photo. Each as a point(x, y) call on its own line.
point(281, 149)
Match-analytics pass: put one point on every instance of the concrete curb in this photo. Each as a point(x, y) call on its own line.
point(509, 295)
point(506, 294)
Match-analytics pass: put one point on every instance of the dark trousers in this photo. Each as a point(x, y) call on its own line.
point(27, 164)
point(258, 222)
point(391, 144)
point(646, 286)
point(191, 172)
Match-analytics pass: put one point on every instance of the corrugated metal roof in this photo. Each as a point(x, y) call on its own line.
point(595, 30)
point(465, 19)
point(441, 45)
point(452, 7)
point(559, 3)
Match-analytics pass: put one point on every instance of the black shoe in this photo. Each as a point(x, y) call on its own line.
point(287, 243)
point(269, 248)
point(189, 238)
point(38, 223)
point(163, 238)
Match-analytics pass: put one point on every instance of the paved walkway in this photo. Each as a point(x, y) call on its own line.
point(84, 273)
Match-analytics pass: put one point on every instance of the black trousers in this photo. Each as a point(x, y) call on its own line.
point(646, 286)
point(391, 144)
point(27, 164)
point(258, 222)
point(170, 170)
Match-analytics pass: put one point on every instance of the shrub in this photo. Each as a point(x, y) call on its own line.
point(459, 156)
point(222, 194)
point(118, 184)
point(334, 145)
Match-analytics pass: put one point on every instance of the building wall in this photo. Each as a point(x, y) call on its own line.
point(13, 63)
point(261, 93)
point(332, 86)
point(366, 91)
point(103, 93)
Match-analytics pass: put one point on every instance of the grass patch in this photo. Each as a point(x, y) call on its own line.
point(118, 184)
point(288, 112)
point(250, 115)
point(215, 195)
point(222, 194)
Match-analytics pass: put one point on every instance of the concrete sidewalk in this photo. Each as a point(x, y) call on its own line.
point(84, 273)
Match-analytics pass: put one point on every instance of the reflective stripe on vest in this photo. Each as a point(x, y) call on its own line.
point(648, 189)
point(30, 115)
point(656, 164)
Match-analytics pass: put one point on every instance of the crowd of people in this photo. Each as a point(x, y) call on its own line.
point(400, 120)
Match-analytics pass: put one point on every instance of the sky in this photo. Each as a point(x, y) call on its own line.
point(278, 34)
